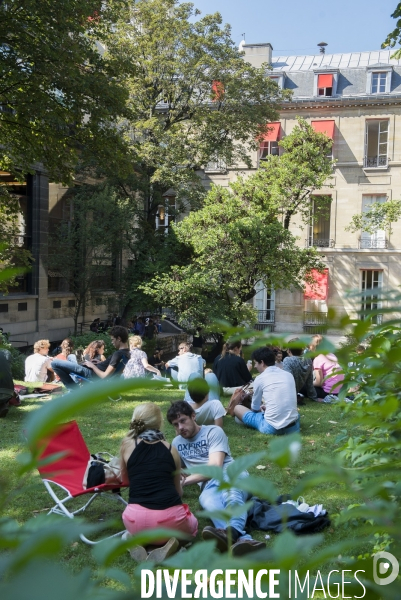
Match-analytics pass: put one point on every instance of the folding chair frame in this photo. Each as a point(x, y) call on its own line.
point(60, 509)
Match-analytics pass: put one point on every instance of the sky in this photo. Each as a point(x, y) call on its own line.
point(296, 27)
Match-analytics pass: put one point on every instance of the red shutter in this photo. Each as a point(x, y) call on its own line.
point(326, 127)
point(217, 91)
point(325, 81)
point(317, 291)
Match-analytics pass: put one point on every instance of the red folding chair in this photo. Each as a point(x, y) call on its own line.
point(65, 474)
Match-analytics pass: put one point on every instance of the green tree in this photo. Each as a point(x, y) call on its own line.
point(238, 239)
point(13, 255)
point(290, 180)
point(379, 215)
point(234, 241)
point(59, 96)
point(394, 37)
point(85, 251)
point(192, 99)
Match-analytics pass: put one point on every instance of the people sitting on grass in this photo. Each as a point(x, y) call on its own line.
point(38, 365)
point(156, 360)
point(207, 412)
point(208, 445)
point(88, 369)
point(94, 352)
point(278, 415)
point(301, 369)
point(151, 466)
point(327, 377)
point(187, 366)
point(231, 369)
point(138, 362)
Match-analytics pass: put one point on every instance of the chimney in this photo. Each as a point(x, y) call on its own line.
point(256, 54)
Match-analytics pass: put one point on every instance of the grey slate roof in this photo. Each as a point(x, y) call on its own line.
point(352, 69)
point(312, 62)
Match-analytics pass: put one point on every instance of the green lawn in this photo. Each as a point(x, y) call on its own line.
point(105, 426)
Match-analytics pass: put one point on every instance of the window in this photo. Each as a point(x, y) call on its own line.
point(56, 303)
point(378, 79)
point(71, 303)
point(22, 306)
point(269, 141)
point(378, 238)
point(326, 127)
point(371, 283)
point(3, 308)
point(315, 302)
point(166, 213)
point(278, 78)
point(325, 84)
point(379, 83)
point(264, 302)
point(376, 144)
point(216, 166)
point(319, 229)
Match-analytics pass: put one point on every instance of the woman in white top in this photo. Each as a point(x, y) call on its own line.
point(37, 365)
point(138, 362)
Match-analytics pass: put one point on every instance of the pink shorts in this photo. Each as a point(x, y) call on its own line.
point(136, 518)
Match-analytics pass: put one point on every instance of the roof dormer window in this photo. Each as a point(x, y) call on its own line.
point(325, 84)
point(378, 79)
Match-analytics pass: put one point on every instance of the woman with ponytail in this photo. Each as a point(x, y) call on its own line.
point(231, 369)
point(152, 467)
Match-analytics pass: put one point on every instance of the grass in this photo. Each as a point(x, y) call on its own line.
point(103, 429)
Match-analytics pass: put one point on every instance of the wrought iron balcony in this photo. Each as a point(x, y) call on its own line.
point(266, 320)
point(369, 243)
point(315, 322)
point(375, 162)
point(319, 243)
point(216, 166)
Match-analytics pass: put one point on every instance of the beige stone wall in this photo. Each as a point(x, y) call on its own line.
point(350, 183)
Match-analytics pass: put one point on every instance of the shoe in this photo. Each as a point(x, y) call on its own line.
point(220, 535)
point(138, 553)
point(15, 400)
point(300, 400)
point(246, 547)
point(160, 554)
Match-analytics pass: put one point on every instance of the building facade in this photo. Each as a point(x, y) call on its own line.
point(41, 305)
point(356, 100)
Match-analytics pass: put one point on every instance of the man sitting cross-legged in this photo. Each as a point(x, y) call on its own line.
point(208, 412)
point(103, 369)
point(279, 414)
point(208, 445)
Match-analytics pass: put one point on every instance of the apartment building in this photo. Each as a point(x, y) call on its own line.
point(356, 100)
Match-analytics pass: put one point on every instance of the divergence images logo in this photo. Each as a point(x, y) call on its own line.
point(385, 563)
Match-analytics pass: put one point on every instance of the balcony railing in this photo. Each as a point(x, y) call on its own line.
point(371, 243)
point(319, 243)
point(216, 166)
point(375, 162)
point(315, 322)
point(266, 320)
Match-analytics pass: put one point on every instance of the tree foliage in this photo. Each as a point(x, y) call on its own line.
point(291, 179)
point(59, 96)
point(84, 250)
point(234, 241)
point(394, 37)
point(379, 215)
point(171, 59)
point(13, 255)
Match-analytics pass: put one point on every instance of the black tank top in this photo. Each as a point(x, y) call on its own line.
point(150, 473)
